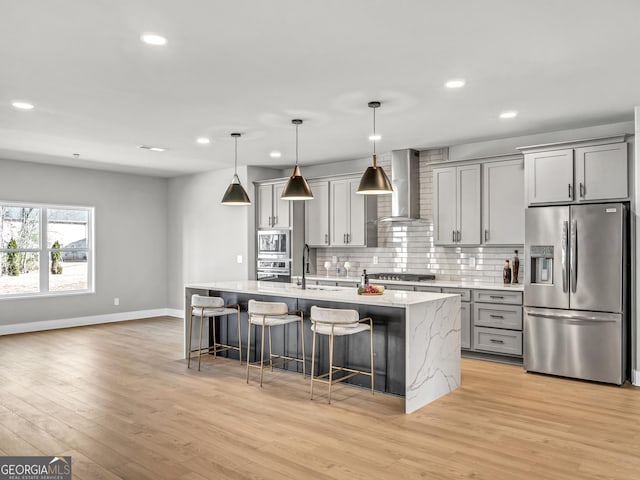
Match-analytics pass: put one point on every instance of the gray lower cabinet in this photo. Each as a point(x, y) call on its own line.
point(465, 314)
point(497, 340)
point(497, 322)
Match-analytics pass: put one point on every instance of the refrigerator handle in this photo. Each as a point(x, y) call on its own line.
point(565, 266)
point(573, 254)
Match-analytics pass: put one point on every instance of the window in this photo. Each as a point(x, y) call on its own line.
point(45, 250)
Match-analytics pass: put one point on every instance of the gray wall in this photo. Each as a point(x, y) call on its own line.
point(205, 237)
point(130, 238)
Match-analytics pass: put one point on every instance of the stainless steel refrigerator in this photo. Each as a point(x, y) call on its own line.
point(575, 291)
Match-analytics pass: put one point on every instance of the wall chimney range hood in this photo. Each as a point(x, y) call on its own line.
point(405, 179)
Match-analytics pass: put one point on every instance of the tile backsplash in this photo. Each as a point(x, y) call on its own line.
point(409, 248)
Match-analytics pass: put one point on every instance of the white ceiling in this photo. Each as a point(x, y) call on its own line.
point(253, 65)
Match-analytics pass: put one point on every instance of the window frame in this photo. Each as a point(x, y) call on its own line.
point(44, 251)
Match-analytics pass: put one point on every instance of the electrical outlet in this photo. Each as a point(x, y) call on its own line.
point(472, 261)
point(116, 301)
point(375, 259)
point(334, 259)
point(239, 258)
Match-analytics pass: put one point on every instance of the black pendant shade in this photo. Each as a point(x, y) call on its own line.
point(297, 187)
point(235, 194)
point(374, 181)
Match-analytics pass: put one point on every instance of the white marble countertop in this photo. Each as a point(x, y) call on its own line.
point(390, 298)
point(518, 287)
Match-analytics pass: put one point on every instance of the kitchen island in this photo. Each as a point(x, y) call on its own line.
point(416, 334)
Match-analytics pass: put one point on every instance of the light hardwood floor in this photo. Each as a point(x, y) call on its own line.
point(120, 400)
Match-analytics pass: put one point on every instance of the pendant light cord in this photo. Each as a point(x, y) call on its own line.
point(374, 131)
point(297, 143)
point(235, 163)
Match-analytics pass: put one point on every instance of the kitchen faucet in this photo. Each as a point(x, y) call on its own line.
point(305, 265)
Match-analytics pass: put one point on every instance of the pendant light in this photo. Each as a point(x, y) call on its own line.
point(297, 187)
point(235, 194)
point(374, 181)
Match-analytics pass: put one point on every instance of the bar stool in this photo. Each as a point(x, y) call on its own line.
point(338, 322)
point(210, 307)
point(272, 314)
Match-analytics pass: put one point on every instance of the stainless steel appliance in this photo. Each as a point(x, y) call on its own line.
point(274, 244)
point(403, 277)
point(274, 256)
point(575, 291)
point(274, 270)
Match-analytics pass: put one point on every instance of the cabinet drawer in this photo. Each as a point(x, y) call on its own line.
point(497, 341)
point(497, 296)
point(428, 289)
point(498, 316)
point(465, 293)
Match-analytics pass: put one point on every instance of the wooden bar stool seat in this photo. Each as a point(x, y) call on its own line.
point(210, 307)
point(333, 323)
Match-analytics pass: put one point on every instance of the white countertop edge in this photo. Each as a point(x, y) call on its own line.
point(518, 287)
point(390, 298)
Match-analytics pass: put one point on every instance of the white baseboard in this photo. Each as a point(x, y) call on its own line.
point(174, 312)
point(635, 377)
point(89, 320)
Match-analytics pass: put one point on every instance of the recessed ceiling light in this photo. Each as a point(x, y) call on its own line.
point(375, 137)
point(510, 114)
point(203, 141)
point(155, 149)
point(153, 39)
point(23, 105)
point(275, 154)
point(458, 83)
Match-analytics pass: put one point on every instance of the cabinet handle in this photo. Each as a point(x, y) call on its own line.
point(453, 236)
point(269, 221)
point(326, 238)
point(348, 238)
point(486, 235)
point(275, 221)
point(344, 238)
point(496, 316)
point(459, 236)
point(493, 340)
point(570, 196)
point(496, 296)
point(581, 190)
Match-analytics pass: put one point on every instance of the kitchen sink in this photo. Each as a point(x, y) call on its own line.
point(318, 287)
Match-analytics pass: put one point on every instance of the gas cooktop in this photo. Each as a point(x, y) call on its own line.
point(403, 277)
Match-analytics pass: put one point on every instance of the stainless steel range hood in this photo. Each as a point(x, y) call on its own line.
point(405, 179)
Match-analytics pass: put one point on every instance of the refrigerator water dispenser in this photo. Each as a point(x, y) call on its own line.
point(541, 263)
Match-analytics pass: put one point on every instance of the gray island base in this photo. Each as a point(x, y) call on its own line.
point(416, 334)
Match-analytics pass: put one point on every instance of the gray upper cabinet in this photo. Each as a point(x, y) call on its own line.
point(264, 206)
point(503, 203)
point(348, 212)
point(444, 205)
point(601, 172)
point(338, 216)
point(576, 172)
point(549, 176)
point(317, 214)
point(272, 211)
point(456, 205)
